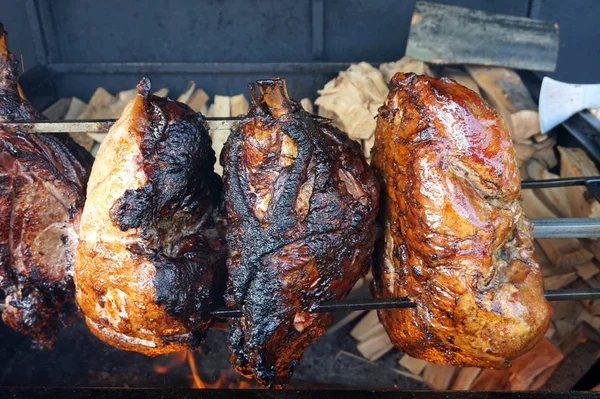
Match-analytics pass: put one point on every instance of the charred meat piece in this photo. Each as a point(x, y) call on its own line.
point(456, 239)
point(42, 187)
point(301, 202)
point(151, 257)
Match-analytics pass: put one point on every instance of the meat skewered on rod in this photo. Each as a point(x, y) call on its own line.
point(301, 203)
point(151, 258)
point(42, 190)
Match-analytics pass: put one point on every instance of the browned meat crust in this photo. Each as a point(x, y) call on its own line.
point(456, 239)
point(42, 187)
point(301, 204)
point(151, 258)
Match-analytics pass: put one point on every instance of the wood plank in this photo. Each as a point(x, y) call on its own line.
point(443, 34)
point(307, 105)
point(507, 93)
point(560, 281)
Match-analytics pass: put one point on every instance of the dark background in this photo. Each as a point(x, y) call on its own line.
point(90, 43)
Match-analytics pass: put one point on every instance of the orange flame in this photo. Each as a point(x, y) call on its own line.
point(175, 360)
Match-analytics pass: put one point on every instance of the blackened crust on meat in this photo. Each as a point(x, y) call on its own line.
point(42, 187)
point(177, 211)
point(301, 203)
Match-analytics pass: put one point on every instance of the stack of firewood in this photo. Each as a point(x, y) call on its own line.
point(566, 263)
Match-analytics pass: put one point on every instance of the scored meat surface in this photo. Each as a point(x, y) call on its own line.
point(301, 202)
point(151, 258)
point(456, 240)
point(42, 187)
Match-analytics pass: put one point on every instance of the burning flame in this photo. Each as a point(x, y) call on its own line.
point(178, 359)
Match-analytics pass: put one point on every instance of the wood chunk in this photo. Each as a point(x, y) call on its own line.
point(540, 138)
point(571, 340)
point(443, 34)
point(523, 153)
point(239, 105)
point(527, 372)
point(587, 270)
point(551, 331)
point(574, 162)
point(554, 198)
point(461, 77)
point(438, 376)
point(364, 327)
point(344, 321)
point(557, 282)
point(159, 93)
point(198, 101)
point(406, 65)
point(307, 105)
point(375, 346)
point(547, 156)
point(562, 329)
point(412, 364)
point(506, 92)
point(368, 146)
point(75, 109)
point(187, 93)
point(465, 378)
point(58, 110)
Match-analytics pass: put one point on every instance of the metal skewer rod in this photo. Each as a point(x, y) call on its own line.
point(403, 303)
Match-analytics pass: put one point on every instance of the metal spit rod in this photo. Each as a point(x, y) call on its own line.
point(404, 303)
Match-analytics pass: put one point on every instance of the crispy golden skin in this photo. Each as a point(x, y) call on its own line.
point(456, 239)
point(151, 262)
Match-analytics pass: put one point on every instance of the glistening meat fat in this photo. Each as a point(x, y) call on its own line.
point(456, 239)
point(151, 257)
point(301, 202)
point(42, 187)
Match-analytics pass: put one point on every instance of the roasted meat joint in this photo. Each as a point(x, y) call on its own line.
point(456, 239)
point(42, 187)
point(151, 257)
point(301, 202)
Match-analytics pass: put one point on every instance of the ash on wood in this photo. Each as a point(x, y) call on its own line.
point(443, 34)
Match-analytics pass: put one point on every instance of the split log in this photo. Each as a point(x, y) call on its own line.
point(412, 364)
point(187, 93)
point(554, 198)
point(406, 65)
point(75, 109)
point(438, 376)
point(574, 162)
point(376, 346)
point(198, 101)
point(587, 270)
point(529, 371)
point(443, 34)
point(220, 108)
point(238, 105)
point(67, 109)
point(465, 378)
point(366, 327)
point(564, 252)
point(505, 91)
point(58, 110)
point(559, 281)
